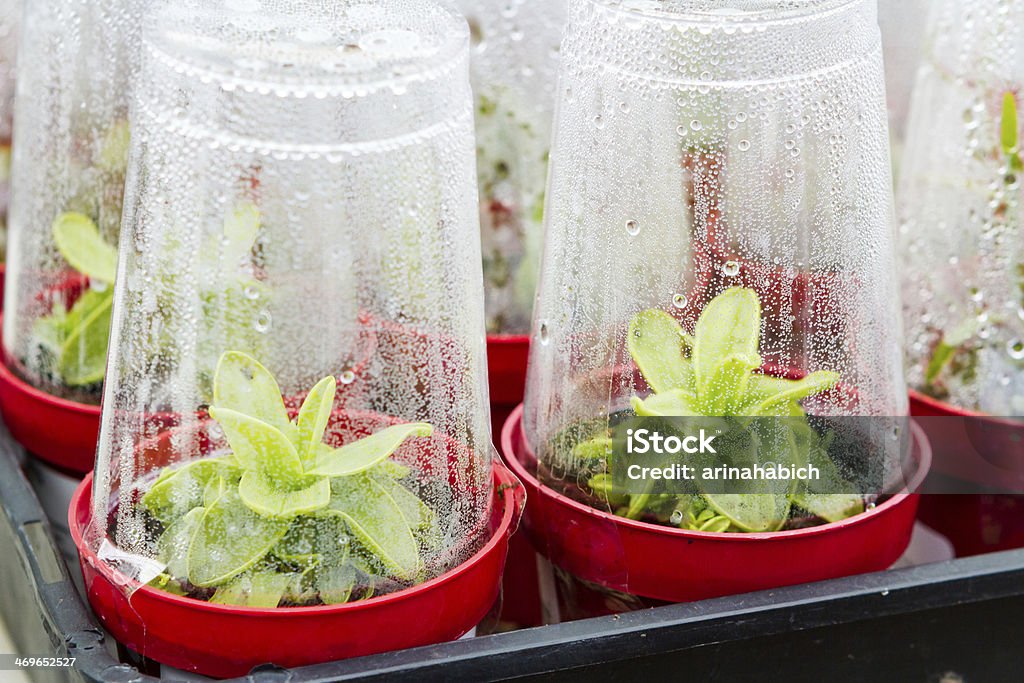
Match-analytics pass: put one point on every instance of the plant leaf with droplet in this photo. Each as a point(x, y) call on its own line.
point(243, 385)
point(313, 417)
point(674, 403)
point(363, 454)
point(230, 539)
point(378, 524)
point(260, 588)
point(657, 344)
point(335, 583)
point(260, 447)
point(180, 489)
point(83, 355)
point(173, 545)
point(730, 325)
point(305, 495)
point(78, 240)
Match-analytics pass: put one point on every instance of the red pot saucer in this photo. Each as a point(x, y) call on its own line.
point(676, 565)
point(227, 641)
point(974, 447)
point(61, 432)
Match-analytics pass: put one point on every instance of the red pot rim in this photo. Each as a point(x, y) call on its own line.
point(506, 485)
point(944, 409)
point(508, 339)
point(924, 460)
point(10, 378)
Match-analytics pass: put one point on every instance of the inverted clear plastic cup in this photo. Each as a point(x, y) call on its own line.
point(514, 72)
point(904, 26)
point(296, 411)
point(10, 20)
point(719, 243)
point(960, 211)
point(77, 61)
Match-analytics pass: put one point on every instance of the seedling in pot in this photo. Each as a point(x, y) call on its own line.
point(717, 373)
point(71, 342)
point(955, 353)
point(282, 518)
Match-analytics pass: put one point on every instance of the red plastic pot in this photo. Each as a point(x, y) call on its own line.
point(3, 281)
point(507, 357)
point(226, 641)
point(677, 565)
point(59, 431)
point(979, 450)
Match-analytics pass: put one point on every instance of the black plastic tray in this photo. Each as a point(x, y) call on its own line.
point(945, 622)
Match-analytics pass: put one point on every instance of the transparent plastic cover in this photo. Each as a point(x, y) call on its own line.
point(515, 71)
point(960, 211)
point(719, 243)
point(10, 19)
point(77, 63)
point(296, 410)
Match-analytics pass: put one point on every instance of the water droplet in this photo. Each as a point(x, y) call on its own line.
point(633, 227)
point(347, 377)
point(252, 293)
point(696, 125)
point(544, 333)
point(677, 517)
point(731, 268)
point(1015, 347)
point(682, 131)
point(743, 145)
point(679, 301)
point(263, 321)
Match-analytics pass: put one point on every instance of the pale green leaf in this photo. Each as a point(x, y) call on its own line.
point(179, 489)
point(313, 417)
point(657, 344)
point(675, 403)
point(730, 325)
point(78, 241)
point(378, 524)
point(794, 390)
point(335, 583)
point(243, 385)
point(754, 512)
point(83, 355)
point(173, 544)
point(832, 507)
point(363, 454)
point(259, 446)
point(241, 224)
point(261, 588)
point(723, 392)
point(304, 495)
point(230, 539)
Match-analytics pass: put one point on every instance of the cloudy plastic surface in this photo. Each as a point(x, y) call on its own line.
point(77, 61)
point(515, 71)
point(10, 18)
point(960, 211)
point(300, 223)
point(697, 154)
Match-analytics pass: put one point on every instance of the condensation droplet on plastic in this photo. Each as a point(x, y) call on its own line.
point(544, 333)
point(263, 321)
point(743, 145)
point(731, 268)
point(347, 377)
point(633, 227)
point(677, 517)
point(1015, 347)
point(679, 301)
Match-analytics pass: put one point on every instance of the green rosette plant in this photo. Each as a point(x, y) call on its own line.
point(72, 341)
point(284, 519)
point(717, 373)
